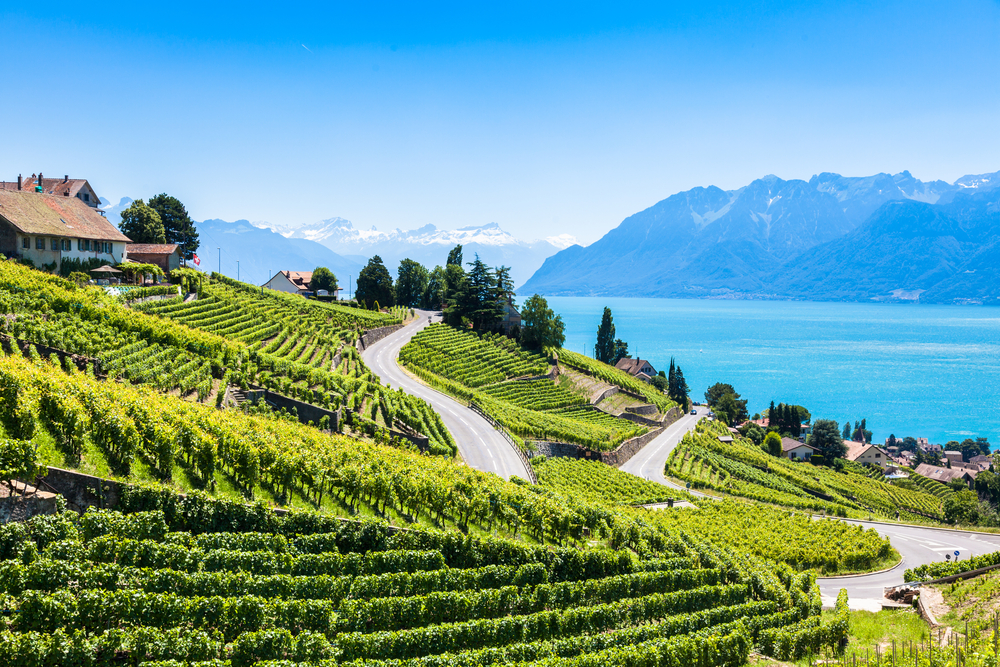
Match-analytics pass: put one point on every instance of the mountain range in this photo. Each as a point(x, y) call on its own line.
point(263, 248)
point(883, 237)
point(429, 245)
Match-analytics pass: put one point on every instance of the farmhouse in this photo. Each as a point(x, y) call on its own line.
point(511, 318)
point(796, 451)
point(60, 187)
point(945, 475)
point(51, 228)
point(293, 282)
point(639, 368)
point(167, 256)
point(866, 454)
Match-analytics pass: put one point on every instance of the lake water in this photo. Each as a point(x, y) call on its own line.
point(918, 370)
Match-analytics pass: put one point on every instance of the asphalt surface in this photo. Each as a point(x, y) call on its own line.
point(916, 545)
point(650, 461)
point(479, 444)
point(484, 449)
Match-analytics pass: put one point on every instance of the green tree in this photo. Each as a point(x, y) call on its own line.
point(541, 328)
point(908, 443)
point(682, 391)
point(846, 435)
point(715, 394)
point(177, 224)
point(375, 284)
point(455, 256)
point(826, 437)
point(754, 432)
point(621, 351)
point(962, 508)
point(772, 443)
point(411, 283)
point(456, 299)
point(323, 278)
point(726, 409)
point(717, 391)
point(434, 293)
point(660, 383)
point(142, 224)
point(605, 348)
point(482, 305)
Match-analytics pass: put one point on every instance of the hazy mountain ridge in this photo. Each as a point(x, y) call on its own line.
point(794, 239)
point(428, 244)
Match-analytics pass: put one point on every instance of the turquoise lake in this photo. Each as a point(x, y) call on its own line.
point(919, 370)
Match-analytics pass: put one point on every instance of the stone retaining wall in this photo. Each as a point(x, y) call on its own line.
point(615, 458)
point(648, 409)
point(81, 491)
point(375, 335)
point(307, 412)
point(611, 391)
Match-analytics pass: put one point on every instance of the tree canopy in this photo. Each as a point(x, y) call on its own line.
point(323, 278)
point(772, 443)
point(455, 256)
point(411, 283)
point(177, 224)
point(723, 397)
point(827, 439)
point(540, 327)
point(605, 348)
point(142, 224)
point(375, 284)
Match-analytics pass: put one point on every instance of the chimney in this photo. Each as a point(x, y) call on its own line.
point(19, 181)
point(66, 178)
point(39, 179)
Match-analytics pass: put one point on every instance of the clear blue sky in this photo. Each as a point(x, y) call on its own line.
point(557, 120)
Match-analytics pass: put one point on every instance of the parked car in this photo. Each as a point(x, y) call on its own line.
point(693, 411)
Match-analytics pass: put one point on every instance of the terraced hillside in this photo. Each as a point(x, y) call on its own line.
point(234, 335)
point(157, 581)
point(741, 468)
point(513, 387)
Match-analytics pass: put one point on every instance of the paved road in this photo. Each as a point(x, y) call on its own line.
point(917, 546)
point(650, 461)
point(484, 449)
point(479, 444)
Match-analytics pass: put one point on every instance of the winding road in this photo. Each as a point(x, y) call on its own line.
point(479, 444)
point(483, 448)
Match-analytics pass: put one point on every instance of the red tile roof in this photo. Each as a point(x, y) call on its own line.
point(300, 279)
point(151, 248)
point(53, 215)
point(51, 186)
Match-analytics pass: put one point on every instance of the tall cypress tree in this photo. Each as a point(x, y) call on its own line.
point(605, 348)
point(672, 381)
point(682, 388)
point(772, 416)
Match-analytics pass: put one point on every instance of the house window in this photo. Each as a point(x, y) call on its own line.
point(40, 243)
point(26, 243)
point(86, 196)
point(55, 244)
point(86, 244)
point(67, 245)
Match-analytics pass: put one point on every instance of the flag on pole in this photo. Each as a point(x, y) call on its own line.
point(194, 258)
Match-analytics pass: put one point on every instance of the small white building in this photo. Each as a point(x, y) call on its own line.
point(797, 451)
point(293, 282)
point(870, 455)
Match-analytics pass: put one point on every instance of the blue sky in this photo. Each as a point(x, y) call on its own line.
point(563, 119)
